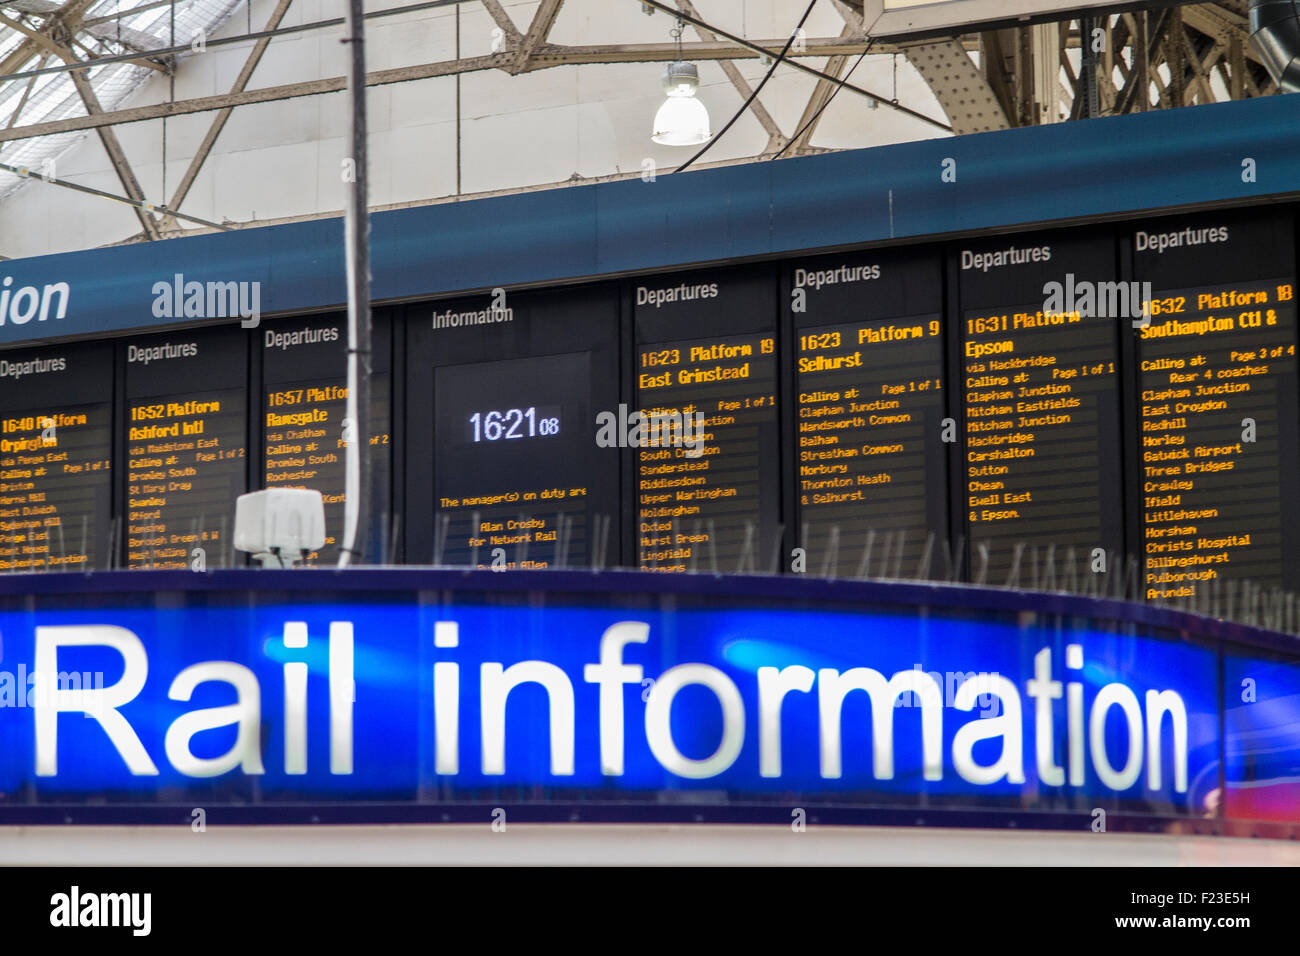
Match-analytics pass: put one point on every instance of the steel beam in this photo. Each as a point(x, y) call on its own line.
point(116, 154)
point(219, 121)
point(502, 20)
point(538, 30)
point(91, 191)
point(289, 91)
point(964, 94)
point(22, 102)
point(775, 138)
point(817, 102)
point(66, 17)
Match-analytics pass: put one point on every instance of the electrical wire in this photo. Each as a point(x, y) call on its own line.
point(835, 92)
point(772, 69)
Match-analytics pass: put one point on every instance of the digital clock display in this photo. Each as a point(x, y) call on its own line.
point(515, 423)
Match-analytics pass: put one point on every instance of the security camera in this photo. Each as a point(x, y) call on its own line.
point(279, 525)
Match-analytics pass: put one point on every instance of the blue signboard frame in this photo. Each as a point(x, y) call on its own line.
point(681, 658)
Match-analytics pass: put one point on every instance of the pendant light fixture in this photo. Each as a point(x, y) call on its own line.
point(683, 120)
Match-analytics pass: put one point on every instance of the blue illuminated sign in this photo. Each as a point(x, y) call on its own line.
point(448, 696)
point(1261, 738)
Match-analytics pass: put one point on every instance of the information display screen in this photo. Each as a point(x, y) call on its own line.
point(708, 459)
point(515, 451)
point(304, 405)
point(55, 458)
point(507, 391)
point(1218, 403)
point(1041, 402)
point(186, 446)
point(871, 469)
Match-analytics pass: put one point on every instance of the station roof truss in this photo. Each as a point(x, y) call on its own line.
point(68, 67)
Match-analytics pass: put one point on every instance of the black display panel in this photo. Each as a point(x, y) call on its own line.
point(304, 404)
point(56, 435)
point(707, 496)
point(1041, 378)
point(185, 425)
point(871, 472)
point(1218, 403)
point(503, 465)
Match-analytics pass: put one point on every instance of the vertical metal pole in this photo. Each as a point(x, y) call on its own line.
point(1087, 91)
point(1141, 63)
point(357, 241)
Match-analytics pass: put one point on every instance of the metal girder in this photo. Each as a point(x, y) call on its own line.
point(775, 138)
point(116, 155)
point(778, 51)
point(503, 21)
point(33, 35)
point(65, 18)
point(22, 102)
point(1216, 20)
point(555, 55)
point(958, 85)
point(48, 46)
point(817, 102)
point(1192, 52)
point(136, 40)
point(538, 30)
point(103, 194)
point(288, 91)
point(334, 84)
point(1045, 41)
point(219, 121)
point(852, 15)
point(1177, 52)
point(126, 12)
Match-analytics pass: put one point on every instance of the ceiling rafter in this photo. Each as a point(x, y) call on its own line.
point(538, 30)
point(65, 18)
point(219, 121)
point(128, 37)
point(775, 138)
point(22, 102)
point(116, 155)
point(1173, 55)
point(821, 95)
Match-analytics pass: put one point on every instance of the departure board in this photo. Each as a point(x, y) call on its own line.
point(708, 456)
point(1041, 400)
point(503, 401)
point(186, 446)
point(304, 404)
point(871, 469)
point(1218, 403)
point(55, 458)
